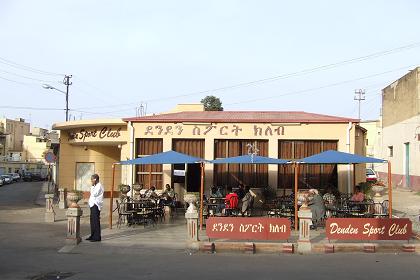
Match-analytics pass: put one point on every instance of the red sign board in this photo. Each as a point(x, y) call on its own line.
point(248, 228)
point(368, 229)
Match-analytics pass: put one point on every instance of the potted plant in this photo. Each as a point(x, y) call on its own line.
point(73, 197)
point(124, 189)
point(378, 187)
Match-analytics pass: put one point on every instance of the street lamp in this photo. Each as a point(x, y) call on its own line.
point(67, 82)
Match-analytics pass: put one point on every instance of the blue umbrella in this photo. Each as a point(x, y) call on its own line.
point(169, 157)
point(335, 157)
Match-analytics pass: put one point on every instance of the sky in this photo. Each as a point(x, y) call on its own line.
point(254, 55)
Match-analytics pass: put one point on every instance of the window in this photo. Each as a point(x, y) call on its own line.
point(149, 174)
point(390, 151)
point(83, 172)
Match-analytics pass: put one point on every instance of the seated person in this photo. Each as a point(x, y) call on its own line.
point(215, 192)
point(329, 196)
point(358, 196)
point(247, 201)
point(317, 206)
point(241, 191)
point(167, 196)
point(231, 199)
point(150, 193)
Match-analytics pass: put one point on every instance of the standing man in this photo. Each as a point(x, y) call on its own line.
point(96, 201)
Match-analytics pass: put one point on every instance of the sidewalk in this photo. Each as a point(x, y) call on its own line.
point(406, 204)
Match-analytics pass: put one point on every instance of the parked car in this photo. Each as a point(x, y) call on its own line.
point(15, 176)
point(36, 176)
point(27, 177)
point(371, 175)
point(7, 179)
point(1, 181)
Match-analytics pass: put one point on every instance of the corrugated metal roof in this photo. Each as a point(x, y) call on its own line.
point(243, 117)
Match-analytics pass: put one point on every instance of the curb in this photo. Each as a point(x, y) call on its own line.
point(290, 248)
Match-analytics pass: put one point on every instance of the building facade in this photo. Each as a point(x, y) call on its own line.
point(92, 146)
point(401, 129)
point(13, 132)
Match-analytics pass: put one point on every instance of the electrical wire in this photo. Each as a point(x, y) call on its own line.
point(26, 77)
point(27, 68)
point(30, 108)
point(13, 81)
point(278, 77)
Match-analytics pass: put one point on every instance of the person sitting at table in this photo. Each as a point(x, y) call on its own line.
point(241, 192)
point(167, 196)
point(358, 196)
point(329, 196)
point(231, 200)
point(317, 206)
point(150, 193)
point(247, 202)
point(215, 192)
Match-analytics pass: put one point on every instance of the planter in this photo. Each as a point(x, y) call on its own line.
point(303, 198)
point(191, 199)
point(74, 197)
point(137, 188)
point(124, 189)
point(378, 190)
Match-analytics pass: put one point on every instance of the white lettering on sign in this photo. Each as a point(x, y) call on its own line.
point(220, 227)
point(396, 230)
point(335, 229)
point(369, 230)
point(277, 228)
point(251, 227)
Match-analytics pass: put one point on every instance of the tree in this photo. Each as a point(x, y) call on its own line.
point(212, 103)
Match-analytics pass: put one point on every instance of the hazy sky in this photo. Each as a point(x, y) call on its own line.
point(123, 52)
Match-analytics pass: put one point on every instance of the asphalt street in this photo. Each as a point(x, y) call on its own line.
point(29, 250)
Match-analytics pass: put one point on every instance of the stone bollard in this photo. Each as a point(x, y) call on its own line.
point(305, 220)
point(192, 223)
point(49, 210)
point(73, 225)
point(62, 204)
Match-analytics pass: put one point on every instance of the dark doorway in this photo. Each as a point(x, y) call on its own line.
point(193, 177)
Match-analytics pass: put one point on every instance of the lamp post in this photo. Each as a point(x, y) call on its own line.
point(67, 82)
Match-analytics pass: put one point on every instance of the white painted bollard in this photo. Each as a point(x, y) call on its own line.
point(49, 210)
point(73, 225)
point(62, 204)
point(305, 221)
point(192, 222)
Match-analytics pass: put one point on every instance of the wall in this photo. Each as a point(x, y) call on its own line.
point(15, 130)
point(401, 100)
point(396, 135)
point(33, 150)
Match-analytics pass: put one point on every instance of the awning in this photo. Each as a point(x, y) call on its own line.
point(250, 159)
point(334, 157)
point(169, 157)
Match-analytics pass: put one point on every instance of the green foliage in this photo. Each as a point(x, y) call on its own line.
point(212, 103)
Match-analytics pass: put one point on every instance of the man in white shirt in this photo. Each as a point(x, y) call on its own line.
point(96, 201)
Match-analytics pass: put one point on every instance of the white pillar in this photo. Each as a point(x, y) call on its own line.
point(73, 226)
point(49, 210)
point(305, 221)
point(192, 222)
point(62, 204)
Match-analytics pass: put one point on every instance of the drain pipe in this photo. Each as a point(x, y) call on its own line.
point(130, 175)
point(349, 127)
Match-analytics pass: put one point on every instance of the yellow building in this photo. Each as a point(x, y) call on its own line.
point(35, 148)
point(88, 147)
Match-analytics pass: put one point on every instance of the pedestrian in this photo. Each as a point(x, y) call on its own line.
point(96, 201)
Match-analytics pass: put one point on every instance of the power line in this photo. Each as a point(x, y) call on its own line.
point(321, 87)
point(27, 68)
point(25, 77)
point(278, 77)
point(13, 81)
point(30, 108)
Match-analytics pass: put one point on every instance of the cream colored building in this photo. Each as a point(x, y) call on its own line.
point(401, 129)
point(93, 146)
point(13, 131)
point(35, 147)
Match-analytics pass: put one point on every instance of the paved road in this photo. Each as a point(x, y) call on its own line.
point(28, 248)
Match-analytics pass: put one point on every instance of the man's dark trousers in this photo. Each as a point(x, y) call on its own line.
point(95, 224)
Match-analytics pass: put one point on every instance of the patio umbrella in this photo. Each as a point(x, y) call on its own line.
point(335, 157)
point(168, 157)
point(250, 159)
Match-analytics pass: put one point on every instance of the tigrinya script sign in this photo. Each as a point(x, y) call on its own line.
point(235, 228)
point(94, 134)
point(368, 229)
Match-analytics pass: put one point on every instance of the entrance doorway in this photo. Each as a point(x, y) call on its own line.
point(193, 179)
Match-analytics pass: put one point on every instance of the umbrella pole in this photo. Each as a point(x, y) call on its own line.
point(296, 194)
point(201, 195)
point(150, 175)
point(389, 190)
point(111, 199)
point(354, 176)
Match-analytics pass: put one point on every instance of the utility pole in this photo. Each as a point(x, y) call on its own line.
point(67, 82)
point(359, 95)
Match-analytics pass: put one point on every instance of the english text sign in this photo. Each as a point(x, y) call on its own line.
point(248, 228)
point(368, 229)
